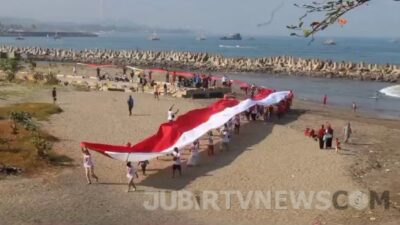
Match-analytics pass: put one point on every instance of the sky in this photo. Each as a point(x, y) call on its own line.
point(380, 18)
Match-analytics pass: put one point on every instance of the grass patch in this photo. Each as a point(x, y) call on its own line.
point(40, 111)
point(19, 149)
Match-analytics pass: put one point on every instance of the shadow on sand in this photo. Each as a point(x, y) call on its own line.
point(251, 133)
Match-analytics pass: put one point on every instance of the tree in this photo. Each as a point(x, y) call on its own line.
point(10, 67)
point(332, 11)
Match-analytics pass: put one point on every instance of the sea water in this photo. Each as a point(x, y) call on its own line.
point(340, 92)
point(370, 50)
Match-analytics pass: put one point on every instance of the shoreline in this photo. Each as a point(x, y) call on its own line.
point(206, 62)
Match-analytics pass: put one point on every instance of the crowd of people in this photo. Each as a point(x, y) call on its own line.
point(325, 136)
point(224, 134)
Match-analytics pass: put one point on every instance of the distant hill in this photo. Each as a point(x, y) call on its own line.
point(12, 24)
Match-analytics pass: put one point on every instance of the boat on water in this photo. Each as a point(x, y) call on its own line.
point(201, 37)
point(329, 42)
point(154, 37)
point(19, 38)
point(396, 41)
point(236, 36)
point(56, 36)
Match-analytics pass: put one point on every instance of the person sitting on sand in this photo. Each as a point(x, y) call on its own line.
point(210, 149)
point(194, 154)
point(177, 162)
point(88, 165)
point(130, 174)
point(144, 164)
point(171, 114)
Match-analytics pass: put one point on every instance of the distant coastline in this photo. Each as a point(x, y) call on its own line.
point(45, 34)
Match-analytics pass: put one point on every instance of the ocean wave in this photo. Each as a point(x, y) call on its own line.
point(393, 91)
point(236, 46)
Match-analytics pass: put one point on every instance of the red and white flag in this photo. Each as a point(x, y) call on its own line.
point(188, 127)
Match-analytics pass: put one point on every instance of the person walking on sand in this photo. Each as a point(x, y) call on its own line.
point(210, 149)
point(354, 106)
point(98, 72)
point(347, 132)
point(194, 154)
point(165, 89)
point(88, 165)
point(144, 164)
point(325, 100)
point(338, 147)
point(320, 136)
point(171, 114)
point(177, 162)
point(225, 139)
point(74, 70)
point(237, 124)
point(54, 94)
point(130, 104)
point(329, 136)
point(131, 172)
point(156, 91)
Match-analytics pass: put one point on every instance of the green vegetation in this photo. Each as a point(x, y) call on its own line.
point(10, 68)
point(40, 111)
point(22, 143)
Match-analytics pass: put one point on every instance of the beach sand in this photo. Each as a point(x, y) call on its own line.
point(269, 157)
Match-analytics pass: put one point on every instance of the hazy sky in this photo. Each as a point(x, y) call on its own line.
point(379, 18)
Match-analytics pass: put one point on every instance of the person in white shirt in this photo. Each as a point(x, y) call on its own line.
point(131, 172)
point(171, 114)
point(224, 80)
point(225, 139)
point(88, 165)
point(177, 162)
point(194, 154)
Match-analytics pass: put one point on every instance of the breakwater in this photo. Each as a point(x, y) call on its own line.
point(214, 62)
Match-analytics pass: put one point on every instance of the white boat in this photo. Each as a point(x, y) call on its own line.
point(201, 37)
point(56, 36)
point(154, 37)
point(19, 38)
point(329, 42)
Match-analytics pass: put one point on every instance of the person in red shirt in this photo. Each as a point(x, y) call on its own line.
point(325, 100)
point(321, 133)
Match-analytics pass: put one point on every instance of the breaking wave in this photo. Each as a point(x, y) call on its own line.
point(393, 91)
point(236, 46)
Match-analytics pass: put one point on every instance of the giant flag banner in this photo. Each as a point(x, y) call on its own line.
point(188, 127)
